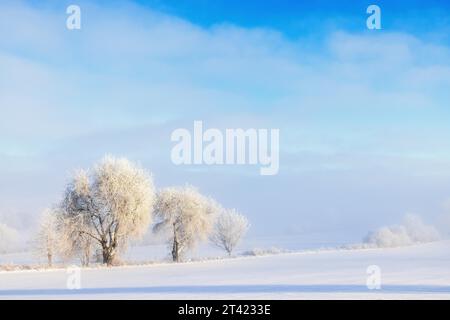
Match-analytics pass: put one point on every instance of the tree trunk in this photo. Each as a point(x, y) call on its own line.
point(88, 258)
point(49, 258)
point(85, 258)
point(108, 255)
point(228, 248)
point(175, 247)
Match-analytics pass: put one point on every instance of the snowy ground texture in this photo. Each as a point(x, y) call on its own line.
point(414, 272)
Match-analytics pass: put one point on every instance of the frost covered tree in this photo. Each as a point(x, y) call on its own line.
point(110, 204)
point(74, 241)
point(47, 240)
point(413, 230)
point(229, 228)
point(9, 237)
point(187, 217)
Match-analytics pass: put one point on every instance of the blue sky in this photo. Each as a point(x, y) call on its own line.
point(295, 17)
point(363, 115)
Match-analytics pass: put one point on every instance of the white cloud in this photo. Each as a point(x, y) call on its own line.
point(345, 102)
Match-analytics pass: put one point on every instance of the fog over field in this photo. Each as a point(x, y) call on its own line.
point(360, 156)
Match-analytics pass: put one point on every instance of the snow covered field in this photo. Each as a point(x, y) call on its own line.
point(415, 272)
